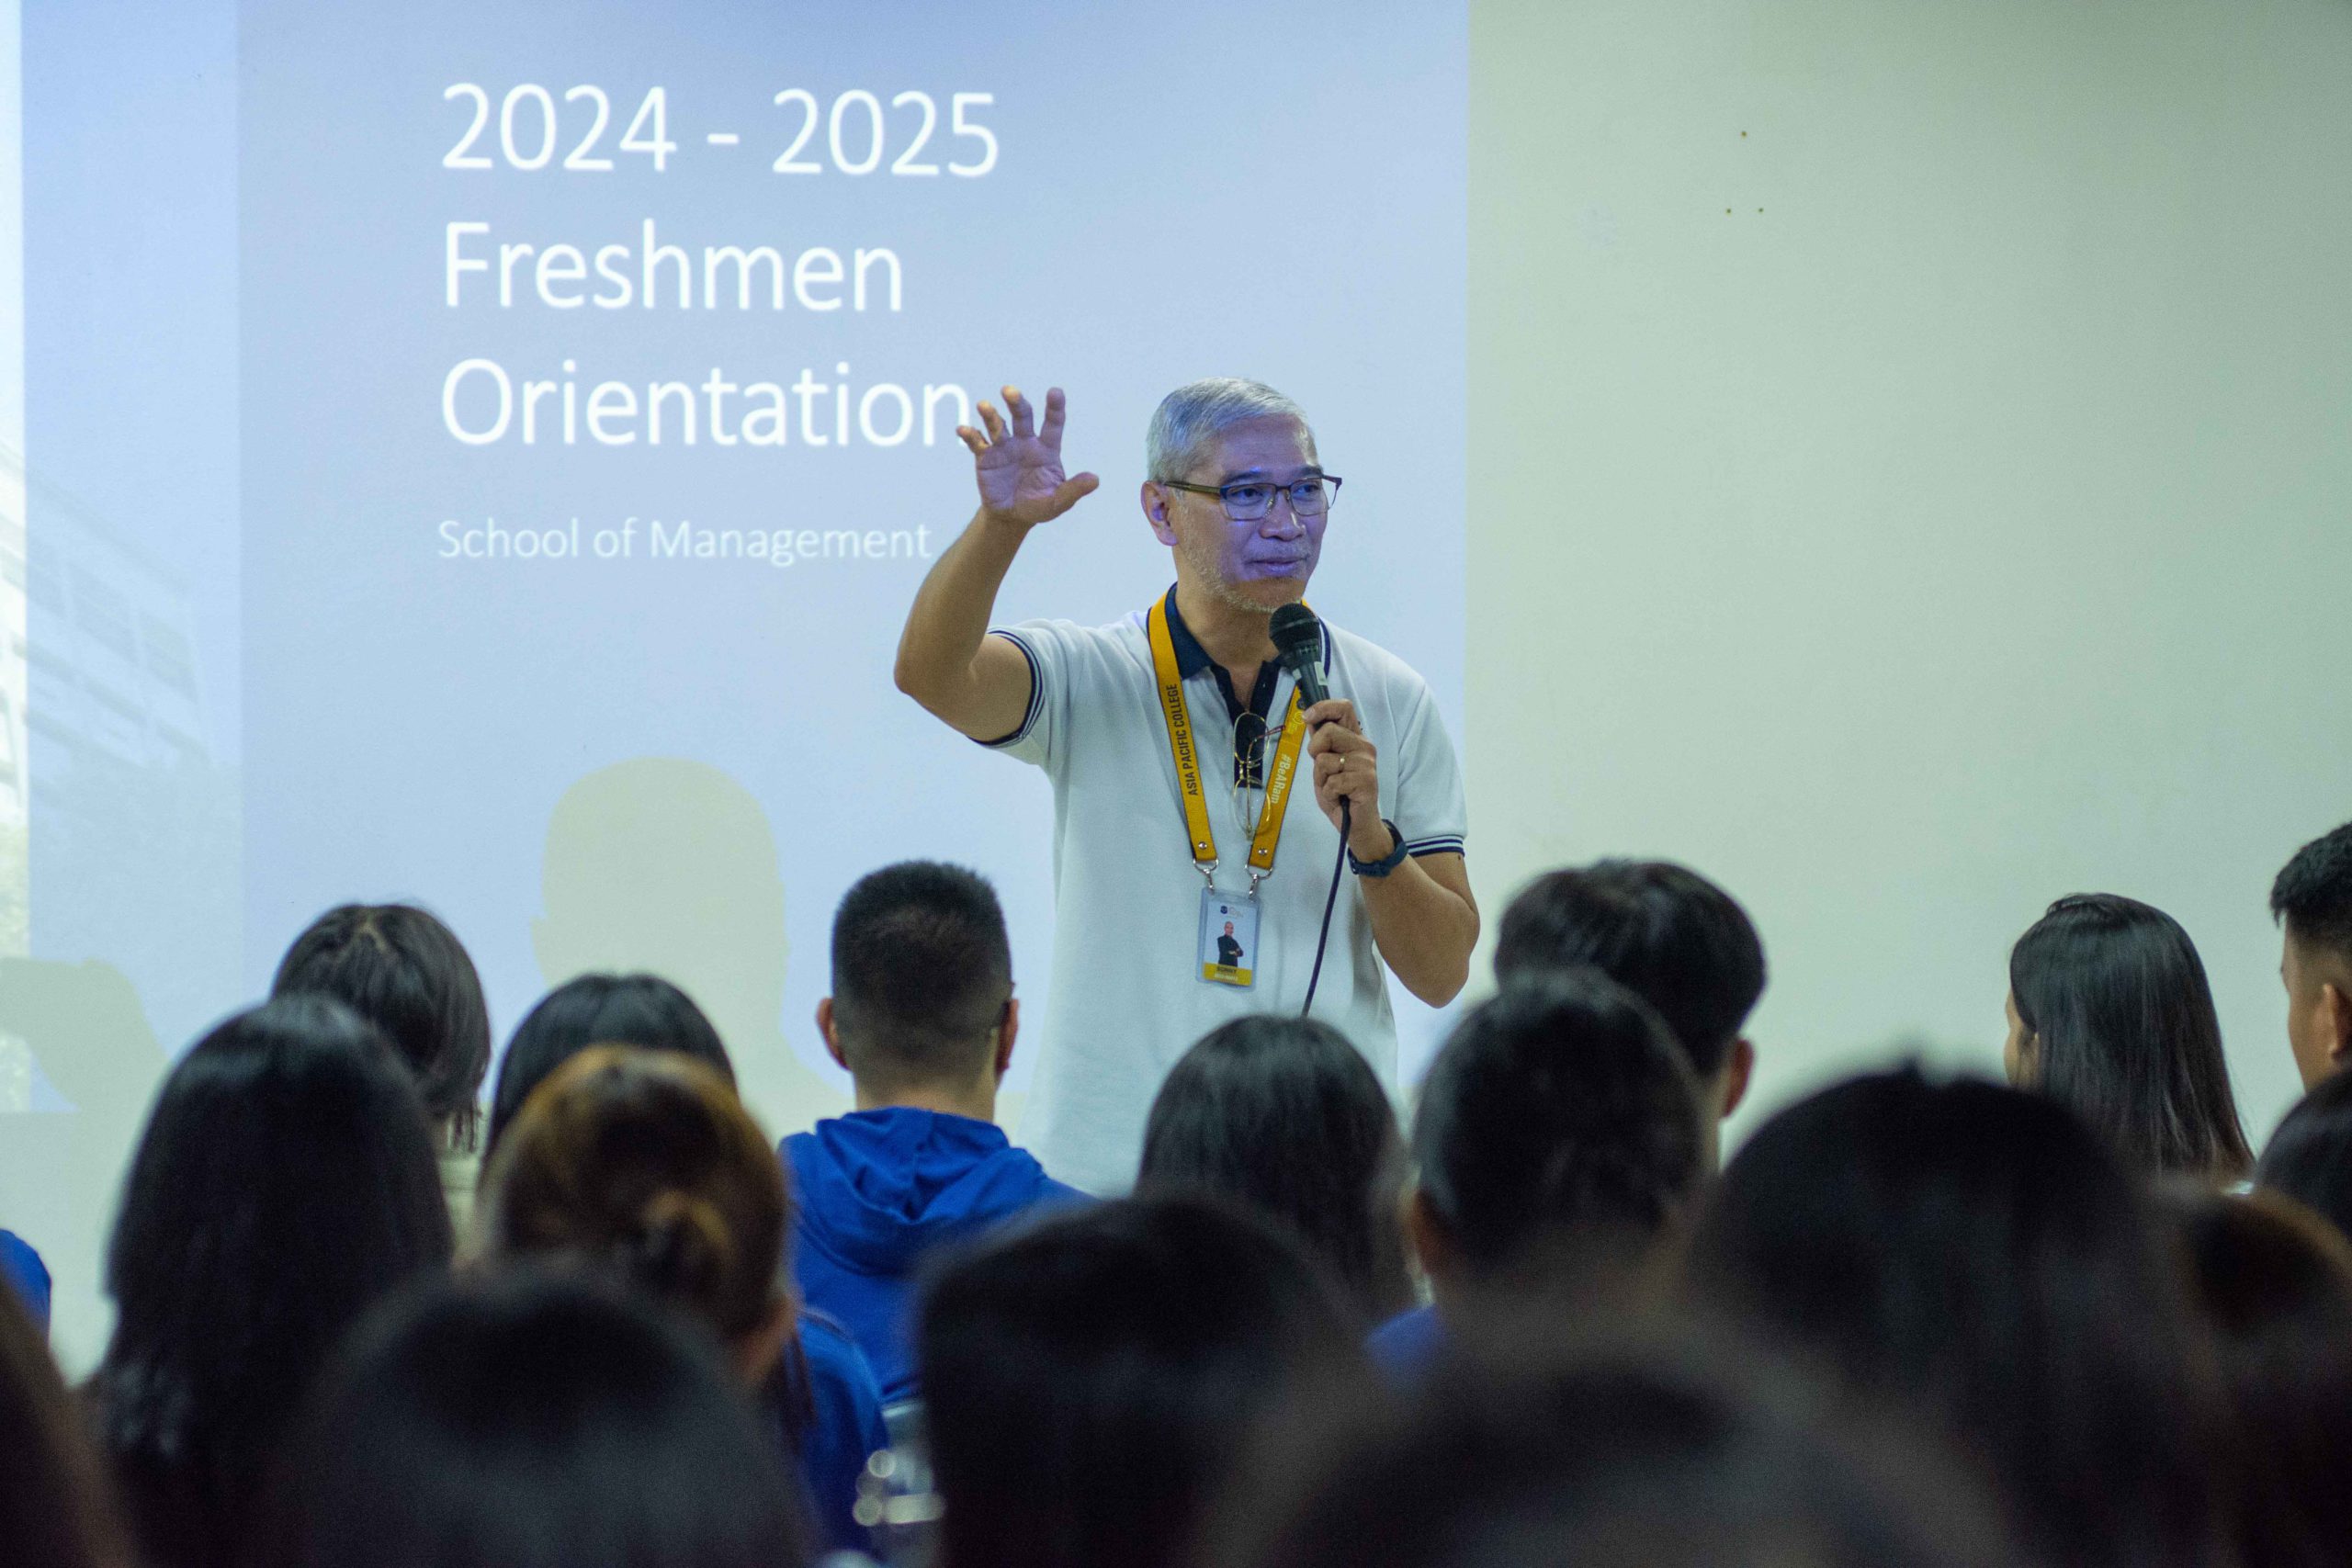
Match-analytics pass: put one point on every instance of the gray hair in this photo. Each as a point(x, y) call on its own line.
point(1197, 412)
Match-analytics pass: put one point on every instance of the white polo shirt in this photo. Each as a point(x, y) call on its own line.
point(1127, 998)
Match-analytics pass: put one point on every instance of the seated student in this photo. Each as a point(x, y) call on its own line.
point(643, 1166)
point(1976, 1258)
point(532, 1422)
point(2311, 900)
point(1282, 1116)
point(2274, 1284)
point(1609, 1454)
point(1668, 935)
point(1091, 1380)
point(22, 1271)
point(55, 1508)
point(2309, 1158)
point(2110, 1016)
point(403, 971)
point(285, 1184)
point(1560, 1140)
point(598, 1009)
point(923, 1016)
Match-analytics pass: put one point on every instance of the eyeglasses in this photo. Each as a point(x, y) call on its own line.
point(1250, 500)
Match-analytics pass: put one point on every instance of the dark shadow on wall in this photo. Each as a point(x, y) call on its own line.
point(669, 866)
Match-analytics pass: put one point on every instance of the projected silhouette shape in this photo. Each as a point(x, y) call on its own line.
point(669, 866)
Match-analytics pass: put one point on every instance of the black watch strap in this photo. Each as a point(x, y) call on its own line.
point(1381, 867)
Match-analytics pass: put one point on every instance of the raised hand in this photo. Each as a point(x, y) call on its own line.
point(1020, 468)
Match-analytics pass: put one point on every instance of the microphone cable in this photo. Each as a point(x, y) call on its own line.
point(1331, 902)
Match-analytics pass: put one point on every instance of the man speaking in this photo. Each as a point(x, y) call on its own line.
point(1186, 890)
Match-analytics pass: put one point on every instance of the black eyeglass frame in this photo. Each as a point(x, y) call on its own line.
point(1329, 481)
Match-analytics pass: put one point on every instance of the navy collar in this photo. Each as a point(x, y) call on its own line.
point(1249, 717)
point(1190, 656)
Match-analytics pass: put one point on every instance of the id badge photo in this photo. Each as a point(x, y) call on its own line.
point(1229, 938)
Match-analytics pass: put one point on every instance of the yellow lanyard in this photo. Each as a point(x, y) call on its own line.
point(1188, 761)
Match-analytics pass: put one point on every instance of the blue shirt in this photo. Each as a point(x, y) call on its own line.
point(1405, 1345)
point(21, 1267)
point(847, 1428)
point(874, 1192)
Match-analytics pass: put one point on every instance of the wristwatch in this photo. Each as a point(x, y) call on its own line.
point(1386, 863)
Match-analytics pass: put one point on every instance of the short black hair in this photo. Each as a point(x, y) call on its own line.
point(598, 1009)
point(2127, 1035)
point(1560, 1116)
point(530, 1421)
point(1656, 1455)
point(921, 971)
point(2310, 1157)
point(1090, 1381)
point(1661, 929)
point(286, 1183)
point(402, 970)
point(1979, 1258)
point(2313, 895)
point(1282, 1116)
point(2274, 1282)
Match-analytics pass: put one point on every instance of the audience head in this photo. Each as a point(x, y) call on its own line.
point(598, 1009)
point(2311, 900)
point(1559, 1136)
point(2111, 1017)
point(403, 971)
point(55, 1508)
point(1088, 1380)
point(643, 1166)
point(2309, 1158)
point(1282, 1116)
point(2274, 1283)
point(922, 986)
point(1673, 937)
point(1980, 1252)
point(530, 1422)
point(1612, 1457)
point(286, 1181)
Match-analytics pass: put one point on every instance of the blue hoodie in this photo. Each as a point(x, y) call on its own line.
point(874, 1192)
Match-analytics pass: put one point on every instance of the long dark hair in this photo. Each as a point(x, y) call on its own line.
point(1977, 1255)
point(402, 970)
point(1283, 1116)
point(598, 1009)
point(286, 1182)
point(530, 1422)
point(2127, 1036)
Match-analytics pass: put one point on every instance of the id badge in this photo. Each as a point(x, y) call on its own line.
point(1228, 945)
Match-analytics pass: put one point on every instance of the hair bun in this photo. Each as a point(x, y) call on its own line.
point(681, 1250)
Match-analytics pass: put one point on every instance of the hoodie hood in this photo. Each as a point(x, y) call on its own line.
point(877, 1188)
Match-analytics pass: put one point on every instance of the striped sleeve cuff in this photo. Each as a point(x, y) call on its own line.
point(1439, 845)
point(1037, 692)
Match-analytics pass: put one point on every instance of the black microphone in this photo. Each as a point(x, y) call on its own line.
point(1298, 643)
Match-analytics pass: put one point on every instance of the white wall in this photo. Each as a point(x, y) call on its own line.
point(1961, 519)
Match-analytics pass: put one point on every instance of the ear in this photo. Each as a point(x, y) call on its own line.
point(1738, 1069)
point(1155, 498)
point(1427, 1234)
point(756, 1353)
point(2339, 1006)
point(826, 1031)
point(1005, 1034)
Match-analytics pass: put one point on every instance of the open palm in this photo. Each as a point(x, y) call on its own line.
point(1020, 467)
